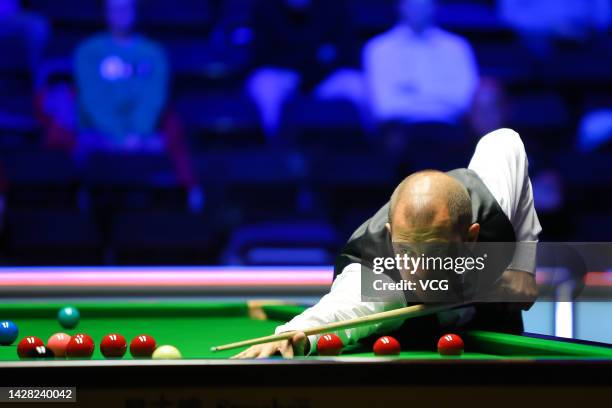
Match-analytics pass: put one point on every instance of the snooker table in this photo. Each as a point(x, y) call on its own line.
point(499, 368)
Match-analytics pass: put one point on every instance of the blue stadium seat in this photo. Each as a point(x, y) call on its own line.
point(52, 237)
point(16, 48)
point(252, 166)
point(129, 170)
point(156, 12)
point(371, 17)
point(594, 227)
point(593, 171)
point(312, 122)
point(469, 16)
point(220, 120)
point(197, 61)
point(162, 237)
point(337, 169)
point(75, 11)
point(582, 65)
point(130, 181)
point(259, 184)
point(352, 186)
point(40, 179)
point(508, 62)
point(16, 115)
point(168, 13)
point(288, 243)
point(537, 110)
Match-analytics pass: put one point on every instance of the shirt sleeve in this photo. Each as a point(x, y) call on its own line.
point(344, 302)
point(501, 162)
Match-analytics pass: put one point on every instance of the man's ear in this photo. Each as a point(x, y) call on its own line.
point(388, 227)
point(473, 231)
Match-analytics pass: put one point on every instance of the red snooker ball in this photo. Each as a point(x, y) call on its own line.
point(142, 346)
point(387, 346)
point(113, 345)
point(450, 345)
point(58, 343)
point(28, 345)
point(329, 345)
point(80, 346)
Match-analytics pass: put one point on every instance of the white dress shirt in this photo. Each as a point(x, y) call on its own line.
point(429, 76)
point(501, 163)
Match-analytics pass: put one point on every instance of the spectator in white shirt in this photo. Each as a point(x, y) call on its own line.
point(418, 72)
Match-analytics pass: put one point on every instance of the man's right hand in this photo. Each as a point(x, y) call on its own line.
point(296, 346)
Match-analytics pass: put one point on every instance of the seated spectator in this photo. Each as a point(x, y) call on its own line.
point(122, 85)
point(122, 82)
point(301, 45)
point(28, 31)
point(417, 73)
point(541, 22)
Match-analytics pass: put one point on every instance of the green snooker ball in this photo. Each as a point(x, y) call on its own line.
point(68, 317)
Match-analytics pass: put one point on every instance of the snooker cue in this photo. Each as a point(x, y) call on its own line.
point(401, 313)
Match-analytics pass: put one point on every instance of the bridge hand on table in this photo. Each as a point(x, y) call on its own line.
point(296, 346)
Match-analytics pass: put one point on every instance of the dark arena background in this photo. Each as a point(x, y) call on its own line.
point(189, 170)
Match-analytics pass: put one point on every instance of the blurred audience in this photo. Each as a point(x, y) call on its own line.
point(418, 72)
point(122, 81)
point(3, 189)
point(56, 110)
point(421, 80)
point(301, 46)
point(595, 130)
point(489, 109)
point(541, 22)
point(28, 33)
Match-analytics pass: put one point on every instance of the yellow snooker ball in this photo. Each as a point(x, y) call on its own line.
point(166, 353)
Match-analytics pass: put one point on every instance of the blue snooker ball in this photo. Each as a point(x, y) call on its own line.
point(68, 317)
point(8, 332)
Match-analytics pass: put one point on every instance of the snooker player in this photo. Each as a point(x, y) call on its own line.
point(490, 201)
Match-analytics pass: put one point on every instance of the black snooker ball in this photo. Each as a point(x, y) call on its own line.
point(39, 352)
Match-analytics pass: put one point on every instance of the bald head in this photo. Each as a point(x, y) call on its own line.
point(430, 205)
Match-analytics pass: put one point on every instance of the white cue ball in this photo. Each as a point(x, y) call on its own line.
point(166, 353)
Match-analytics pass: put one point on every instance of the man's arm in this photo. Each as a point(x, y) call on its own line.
point(501, 162)
point(343, 302)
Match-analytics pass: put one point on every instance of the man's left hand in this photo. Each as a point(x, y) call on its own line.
point(518, 289)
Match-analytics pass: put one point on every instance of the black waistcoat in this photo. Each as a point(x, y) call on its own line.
point(372, 240)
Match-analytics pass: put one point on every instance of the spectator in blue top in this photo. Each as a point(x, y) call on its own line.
point(122, 84)
point(122, 81)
